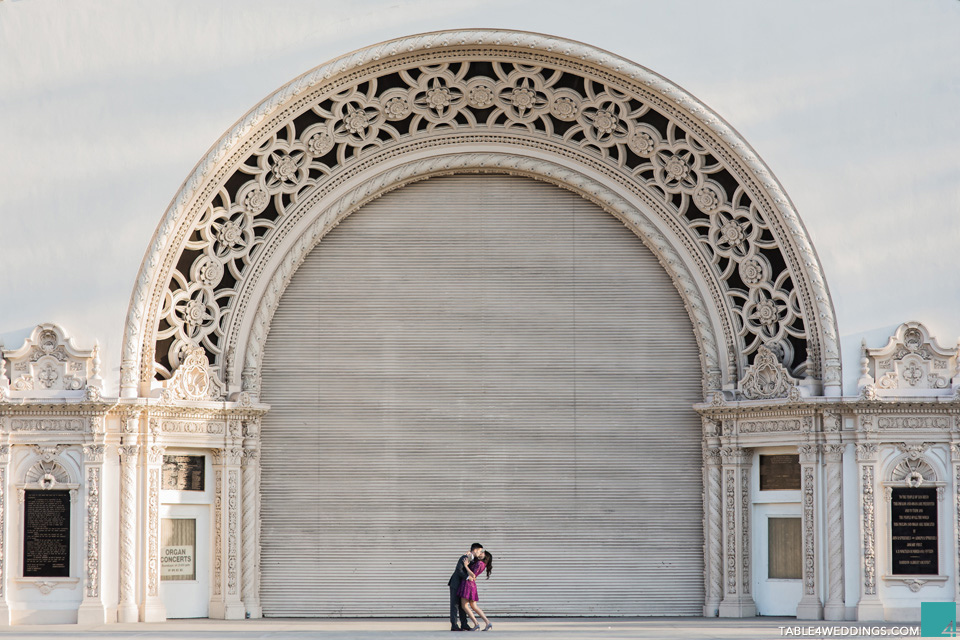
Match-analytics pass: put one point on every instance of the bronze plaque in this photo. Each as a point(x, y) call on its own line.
point(913, 528)
point(46, 534)
point(780, 472)
point(183, 473)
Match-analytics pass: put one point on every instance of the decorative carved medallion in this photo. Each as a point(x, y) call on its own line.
point(766, 378)
point(194, 379)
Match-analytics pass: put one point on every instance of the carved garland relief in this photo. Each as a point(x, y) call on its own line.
point(869, 550)
point(809, 560)
point(218, 532)
point(577, 103)
point(93, 532)
point(731, 508)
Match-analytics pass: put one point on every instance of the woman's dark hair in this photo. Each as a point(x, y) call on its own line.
point(488, 559)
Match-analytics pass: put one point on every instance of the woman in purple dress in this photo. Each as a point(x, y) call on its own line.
point(468, 588)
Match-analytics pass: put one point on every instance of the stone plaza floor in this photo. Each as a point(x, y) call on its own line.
point(504, 629)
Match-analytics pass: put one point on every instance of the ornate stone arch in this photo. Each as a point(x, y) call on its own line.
point(481, 101)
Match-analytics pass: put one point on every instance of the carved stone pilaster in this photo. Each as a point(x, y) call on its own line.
point(955, 460)
point(127, 611)
point(226, 603)
point(712, 531)
point(737, 601)
point(870, 607)
point(92, 609)
point(810, 607)
point(834, 609)
point(251, 533)
point(4, 475)
point(152, 608)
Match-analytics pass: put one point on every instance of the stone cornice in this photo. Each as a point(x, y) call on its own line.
point(845, 405)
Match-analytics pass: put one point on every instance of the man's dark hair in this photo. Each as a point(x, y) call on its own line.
point(475, 546)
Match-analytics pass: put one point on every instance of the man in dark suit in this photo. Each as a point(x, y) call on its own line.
point(459, 575)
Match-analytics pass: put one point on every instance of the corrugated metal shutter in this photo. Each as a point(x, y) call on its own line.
point(481, 358)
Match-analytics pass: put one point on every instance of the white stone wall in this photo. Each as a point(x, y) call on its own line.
point(109, 106)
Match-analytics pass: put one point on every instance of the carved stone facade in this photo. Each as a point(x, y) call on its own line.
point(911, 363)
point(486, 102)
point(48, 364)
point(519, 96)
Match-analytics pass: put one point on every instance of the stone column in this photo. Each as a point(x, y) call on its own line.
point(712, 531)
point(810, 607)
point(226, 603)
point(955, 460)
point(737, 601)
point(834, 609)
point(92, 609)
point(4, 477)
point(127, 611)
point(152, 608)
point(251, 520)
point(870, 607)
point(128, 379)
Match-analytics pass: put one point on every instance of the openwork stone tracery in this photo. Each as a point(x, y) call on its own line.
point(632, 131)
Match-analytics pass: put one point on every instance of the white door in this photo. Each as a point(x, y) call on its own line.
point(185, 559)
point(778, 558)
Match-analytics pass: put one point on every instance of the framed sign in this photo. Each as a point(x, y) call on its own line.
point(183, 473)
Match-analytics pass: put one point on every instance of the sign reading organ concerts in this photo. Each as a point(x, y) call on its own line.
point(913, 525)
point(176, 563)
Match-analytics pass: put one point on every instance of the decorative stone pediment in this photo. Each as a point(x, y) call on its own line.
point(194, 379)
point(767, 379)
point(911, 363)
point(49, 364)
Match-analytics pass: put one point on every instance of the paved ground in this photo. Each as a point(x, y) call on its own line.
point(411, 629)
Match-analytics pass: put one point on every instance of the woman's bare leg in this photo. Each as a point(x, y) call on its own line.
point(476, 607)
point(466, 607)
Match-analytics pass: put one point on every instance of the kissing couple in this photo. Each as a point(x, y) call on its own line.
point(463, 589)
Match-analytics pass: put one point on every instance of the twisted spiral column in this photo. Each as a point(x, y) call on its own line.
point(127, 611)
point(834, 608)
point(251, 534)
point(714, 532)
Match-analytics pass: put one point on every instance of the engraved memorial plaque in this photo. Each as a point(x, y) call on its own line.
point(780, 472)
point(46, 534)
point(183, 473)
point(913, 528)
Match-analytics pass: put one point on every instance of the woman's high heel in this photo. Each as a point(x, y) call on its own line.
point(488, 627)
